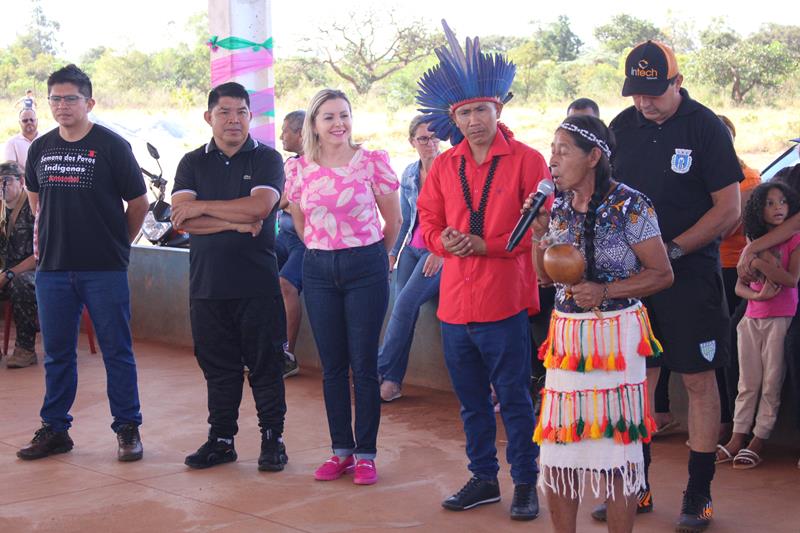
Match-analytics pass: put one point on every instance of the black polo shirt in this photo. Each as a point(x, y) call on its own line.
point(677, 164)
point(229, 264)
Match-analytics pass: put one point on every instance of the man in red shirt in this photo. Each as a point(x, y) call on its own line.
point(468, 207)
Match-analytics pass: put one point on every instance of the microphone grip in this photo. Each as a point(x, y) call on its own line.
point(525, 221)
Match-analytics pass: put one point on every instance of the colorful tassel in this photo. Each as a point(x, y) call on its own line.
point(537, 434)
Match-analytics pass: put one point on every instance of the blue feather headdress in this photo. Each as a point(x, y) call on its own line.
point(462, 78)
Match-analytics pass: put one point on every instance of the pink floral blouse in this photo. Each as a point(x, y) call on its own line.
point(339, 203)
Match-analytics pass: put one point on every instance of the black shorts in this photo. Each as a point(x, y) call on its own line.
point(691, 320)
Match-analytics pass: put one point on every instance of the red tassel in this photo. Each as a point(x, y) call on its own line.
point(543, 349)
point(620, 362)
point(598, 363)
point(575, 435)
point(573, 362)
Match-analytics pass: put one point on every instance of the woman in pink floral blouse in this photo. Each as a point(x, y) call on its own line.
point(337, 189)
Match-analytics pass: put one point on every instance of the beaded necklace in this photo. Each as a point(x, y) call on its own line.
point(476, 218)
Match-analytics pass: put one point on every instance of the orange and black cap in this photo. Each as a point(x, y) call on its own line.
point(649, 69)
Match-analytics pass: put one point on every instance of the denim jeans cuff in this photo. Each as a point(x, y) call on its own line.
point(342, 452)
point(366, 456)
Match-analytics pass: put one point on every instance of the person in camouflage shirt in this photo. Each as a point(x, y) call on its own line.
point(16, 251)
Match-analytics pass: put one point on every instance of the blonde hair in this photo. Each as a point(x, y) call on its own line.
point(311, 145)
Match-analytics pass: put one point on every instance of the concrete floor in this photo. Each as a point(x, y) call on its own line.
point(420, 462)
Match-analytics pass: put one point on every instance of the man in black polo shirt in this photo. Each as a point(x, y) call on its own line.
point(224, 193)
point(678, 153)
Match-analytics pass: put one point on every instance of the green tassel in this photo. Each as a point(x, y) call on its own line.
point(656, 351)
point(621, 426)
point(609, 433)
point(633, 432)
point(643, 430)
point(581, 426)
point(582, 364)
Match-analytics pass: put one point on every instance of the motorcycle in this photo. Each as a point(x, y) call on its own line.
point(157, 226)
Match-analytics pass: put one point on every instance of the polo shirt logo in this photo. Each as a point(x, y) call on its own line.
point(246, 177)
point(681, 161)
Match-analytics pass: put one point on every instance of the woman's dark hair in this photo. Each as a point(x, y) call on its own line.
point(602, 176)
point(790, 176)
point(753, 216)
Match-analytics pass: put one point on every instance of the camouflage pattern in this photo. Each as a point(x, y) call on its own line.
point(21, 290)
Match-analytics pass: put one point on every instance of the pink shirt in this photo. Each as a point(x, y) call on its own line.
point(17, 149)
point(785, 302)
point(416, 238)
point(339, 203)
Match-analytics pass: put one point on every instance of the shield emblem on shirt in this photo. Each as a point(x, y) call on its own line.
point(681, 161)
point(708, 350)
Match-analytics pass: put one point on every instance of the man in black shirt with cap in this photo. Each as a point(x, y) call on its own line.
point(678, 153)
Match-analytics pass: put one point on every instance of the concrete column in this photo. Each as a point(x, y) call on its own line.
point(241, 50)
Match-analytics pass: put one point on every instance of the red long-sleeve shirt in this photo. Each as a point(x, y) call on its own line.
point(495, 286)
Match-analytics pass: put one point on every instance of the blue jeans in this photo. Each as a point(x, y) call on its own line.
point(413, 290)
point(346, 294)
point(61, 297)
point(499, 353)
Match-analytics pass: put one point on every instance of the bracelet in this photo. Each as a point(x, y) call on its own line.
point(605, 293)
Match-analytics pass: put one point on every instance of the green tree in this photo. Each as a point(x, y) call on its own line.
point(526, 56)
point(42, 34)
point(500, 44)
point(788, 35)
point(728, 61)
point(558, 40)
point(624, 31)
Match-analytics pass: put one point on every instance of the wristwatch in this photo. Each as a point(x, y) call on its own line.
point(674, 251)
point(9, 274)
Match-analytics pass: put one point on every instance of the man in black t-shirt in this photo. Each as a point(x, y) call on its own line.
point(678, 153)
point(78, 176)
point(224, 194)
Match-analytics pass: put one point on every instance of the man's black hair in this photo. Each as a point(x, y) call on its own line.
point(232, 89)
point(583, 103)
point(75, 76)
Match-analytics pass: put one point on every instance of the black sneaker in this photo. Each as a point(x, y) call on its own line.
point(525, 505)
point(696, 513)
point(214, 452)
point(273, 453)
point(130, 443)
point(644, 505)
point(46, 442)
point(476, 492)
point(290, 366)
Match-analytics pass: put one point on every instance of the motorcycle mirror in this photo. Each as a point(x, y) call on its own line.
point(153, 151)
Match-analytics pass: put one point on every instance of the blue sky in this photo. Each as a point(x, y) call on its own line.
point(152, 24)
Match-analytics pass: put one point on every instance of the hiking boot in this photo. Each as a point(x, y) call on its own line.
point(644, 504)
point(46, 442)
point(525, 505)
point(130, 443)
point(290, 365)
point(273, 453)
point(334, 468)
point(476, 492)
point(21, 358)
point(215, 451)
point(390, 391)
point(696, 513)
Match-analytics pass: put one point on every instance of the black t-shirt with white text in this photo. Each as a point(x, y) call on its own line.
point(678, 165)
point(81, 187)
point(229, 264)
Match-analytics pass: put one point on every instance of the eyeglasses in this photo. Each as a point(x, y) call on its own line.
point(70, 99)
point(7, 179)
point(27, 120)
point(425, 139)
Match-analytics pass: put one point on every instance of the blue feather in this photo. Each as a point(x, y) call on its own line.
point(461, 75)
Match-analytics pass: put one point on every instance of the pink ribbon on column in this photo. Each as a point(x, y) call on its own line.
point(264, 133)
point(226, 68)
point(263, 101)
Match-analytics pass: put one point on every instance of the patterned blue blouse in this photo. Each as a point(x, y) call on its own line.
point(625, 218)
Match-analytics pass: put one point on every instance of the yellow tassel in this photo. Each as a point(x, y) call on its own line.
point(537, 435)
point(548, 360)
point(595, 431)
point(568, 435)
point(588, 366)
point(611, 362)
point(565, 363)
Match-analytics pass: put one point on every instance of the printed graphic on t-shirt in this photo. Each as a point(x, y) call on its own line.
point(67, 168)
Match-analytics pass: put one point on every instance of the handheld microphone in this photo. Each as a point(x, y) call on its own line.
point(545, 189)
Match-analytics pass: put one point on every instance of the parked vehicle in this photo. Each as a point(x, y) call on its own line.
point(157, 227)
point(788, 158)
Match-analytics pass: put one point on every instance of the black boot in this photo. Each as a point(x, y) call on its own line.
point(215, 451)
point(273, 452)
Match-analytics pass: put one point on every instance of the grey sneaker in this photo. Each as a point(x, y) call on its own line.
point(290, 366)
point(390, 391)
point(21, 358)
